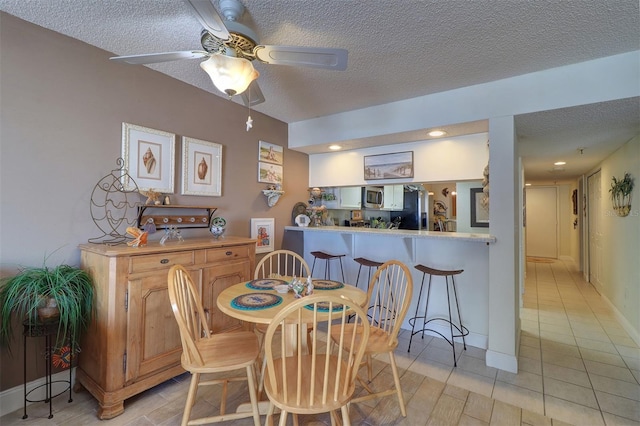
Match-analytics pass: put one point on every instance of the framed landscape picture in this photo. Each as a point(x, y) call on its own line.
point(271, 153)
point(149, 157)
point(269, 173)
point(398, 165)
point(201, 167)
point(263, 230)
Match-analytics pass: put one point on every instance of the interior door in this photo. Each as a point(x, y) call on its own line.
point(542, 222)
point(594, 196)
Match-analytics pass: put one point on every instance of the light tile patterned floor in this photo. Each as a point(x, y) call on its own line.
point(577, 365)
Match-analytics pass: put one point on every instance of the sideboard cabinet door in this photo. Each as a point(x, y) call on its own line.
point(153, 338)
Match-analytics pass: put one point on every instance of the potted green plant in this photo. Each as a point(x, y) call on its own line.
point(621, 194)
point(41, 294)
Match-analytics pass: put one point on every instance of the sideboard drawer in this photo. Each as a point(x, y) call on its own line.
point(151, 262)
point(227, 253)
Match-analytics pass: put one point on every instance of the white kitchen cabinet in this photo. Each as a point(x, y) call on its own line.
point(351, 197)
point(393, 197)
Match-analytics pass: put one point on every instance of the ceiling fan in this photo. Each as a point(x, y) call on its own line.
point(231, 46)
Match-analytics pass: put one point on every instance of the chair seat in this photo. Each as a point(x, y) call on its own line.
point(379, 340)
point(306, 406)
point(225, 351)
point(324, 256)
point(438, 272)
point(366, 262)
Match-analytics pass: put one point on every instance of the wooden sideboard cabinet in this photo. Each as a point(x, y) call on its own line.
point(133, 342)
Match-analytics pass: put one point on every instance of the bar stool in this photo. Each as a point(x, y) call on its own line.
point(327, 257)
point(367, 264)
point(461, 330)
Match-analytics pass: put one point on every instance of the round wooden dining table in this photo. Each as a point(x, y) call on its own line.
point(265, 315)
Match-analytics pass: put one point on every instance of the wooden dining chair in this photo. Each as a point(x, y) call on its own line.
point(323, 380)
point(389, 293)
point(204, 352)
point(282, 263)
point(278, 264)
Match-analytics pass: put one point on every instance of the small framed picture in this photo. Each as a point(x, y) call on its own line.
point(201, 167)
point(149, 157)
point(479, 210)
point(269, 173)
point(263, 230)
point(270, 153)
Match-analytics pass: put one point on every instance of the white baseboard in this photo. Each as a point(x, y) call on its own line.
point(13, 399)
point(502, 361)
point(633, 333)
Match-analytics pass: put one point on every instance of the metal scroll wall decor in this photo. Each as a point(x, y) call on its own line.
point(114, 208)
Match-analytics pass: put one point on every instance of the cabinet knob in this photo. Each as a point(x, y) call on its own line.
point(164, 261)
point(229, 253)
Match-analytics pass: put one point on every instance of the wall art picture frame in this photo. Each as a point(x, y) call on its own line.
point(270, 153)
point(263, 230)
point(149, 157)
point(479, 213)
point(397, 165)
point(270, 173)
point(201, 167)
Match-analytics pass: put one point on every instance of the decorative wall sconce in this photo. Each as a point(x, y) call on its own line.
point(273, 195)
point(621, 191)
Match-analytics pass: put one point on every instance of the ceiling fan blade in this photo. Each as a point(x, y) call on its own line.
point(315, 57)
point(153, 58)
point(253, 95)
point(209, 18)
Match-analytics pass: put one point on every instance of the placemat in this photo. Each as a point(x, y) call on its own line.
point(255, 301)
point(326, 285)
point(324, 307)
point(265, 283)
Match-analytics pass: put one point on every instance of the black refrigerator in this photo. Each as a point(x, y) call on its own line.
point(414, 215)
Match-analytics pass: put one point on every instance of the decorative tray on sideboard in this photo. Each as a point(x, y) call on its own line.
point(176, 215)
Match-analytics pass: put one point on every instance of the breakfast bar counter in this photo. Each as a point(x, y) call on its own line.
point(440, 250)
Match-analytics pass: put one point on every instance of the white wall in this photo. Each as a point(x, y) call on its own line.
point(449, 159)
point(621, 239)
point(600, 80)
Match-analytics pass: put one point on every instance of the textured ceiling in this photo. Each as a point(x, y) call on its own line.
point(397, 50)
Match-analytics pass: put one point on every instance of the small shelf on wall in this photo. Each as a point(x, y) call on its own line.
point(176, 215)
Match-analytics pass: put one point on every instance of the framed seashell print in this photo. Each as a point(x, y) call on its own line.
point(201, 167)
point(149, 157)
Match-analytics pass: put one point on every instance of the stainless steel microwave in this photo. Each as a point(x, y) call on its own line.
point(373, 197)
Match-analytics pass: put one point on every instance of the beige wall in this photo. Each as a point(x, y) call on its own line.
point(62, 106)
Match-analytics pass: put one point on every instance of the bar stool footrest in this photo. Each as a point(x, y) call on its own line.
point(464, 331)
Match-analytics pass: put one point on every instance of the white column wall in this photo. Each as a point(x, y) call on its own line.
point(504, 263)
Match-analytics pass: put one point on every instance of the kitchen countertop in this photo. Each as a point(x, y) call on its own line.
point(403, 233)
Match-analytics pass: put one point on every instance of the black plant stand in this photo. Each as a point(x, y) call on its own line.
point(49, 331)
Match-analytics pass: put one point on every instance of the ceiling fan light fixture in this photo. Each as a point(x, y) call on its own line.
point(230, 75)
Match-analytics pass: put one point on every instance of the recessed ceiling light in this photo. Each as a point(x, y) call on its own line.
point(559, 163)
point(335, 147)
point(437, 133)
point(527, 184)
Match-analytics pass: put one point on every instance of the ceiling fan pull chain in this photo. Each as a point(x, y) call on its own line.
point(249, 119)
